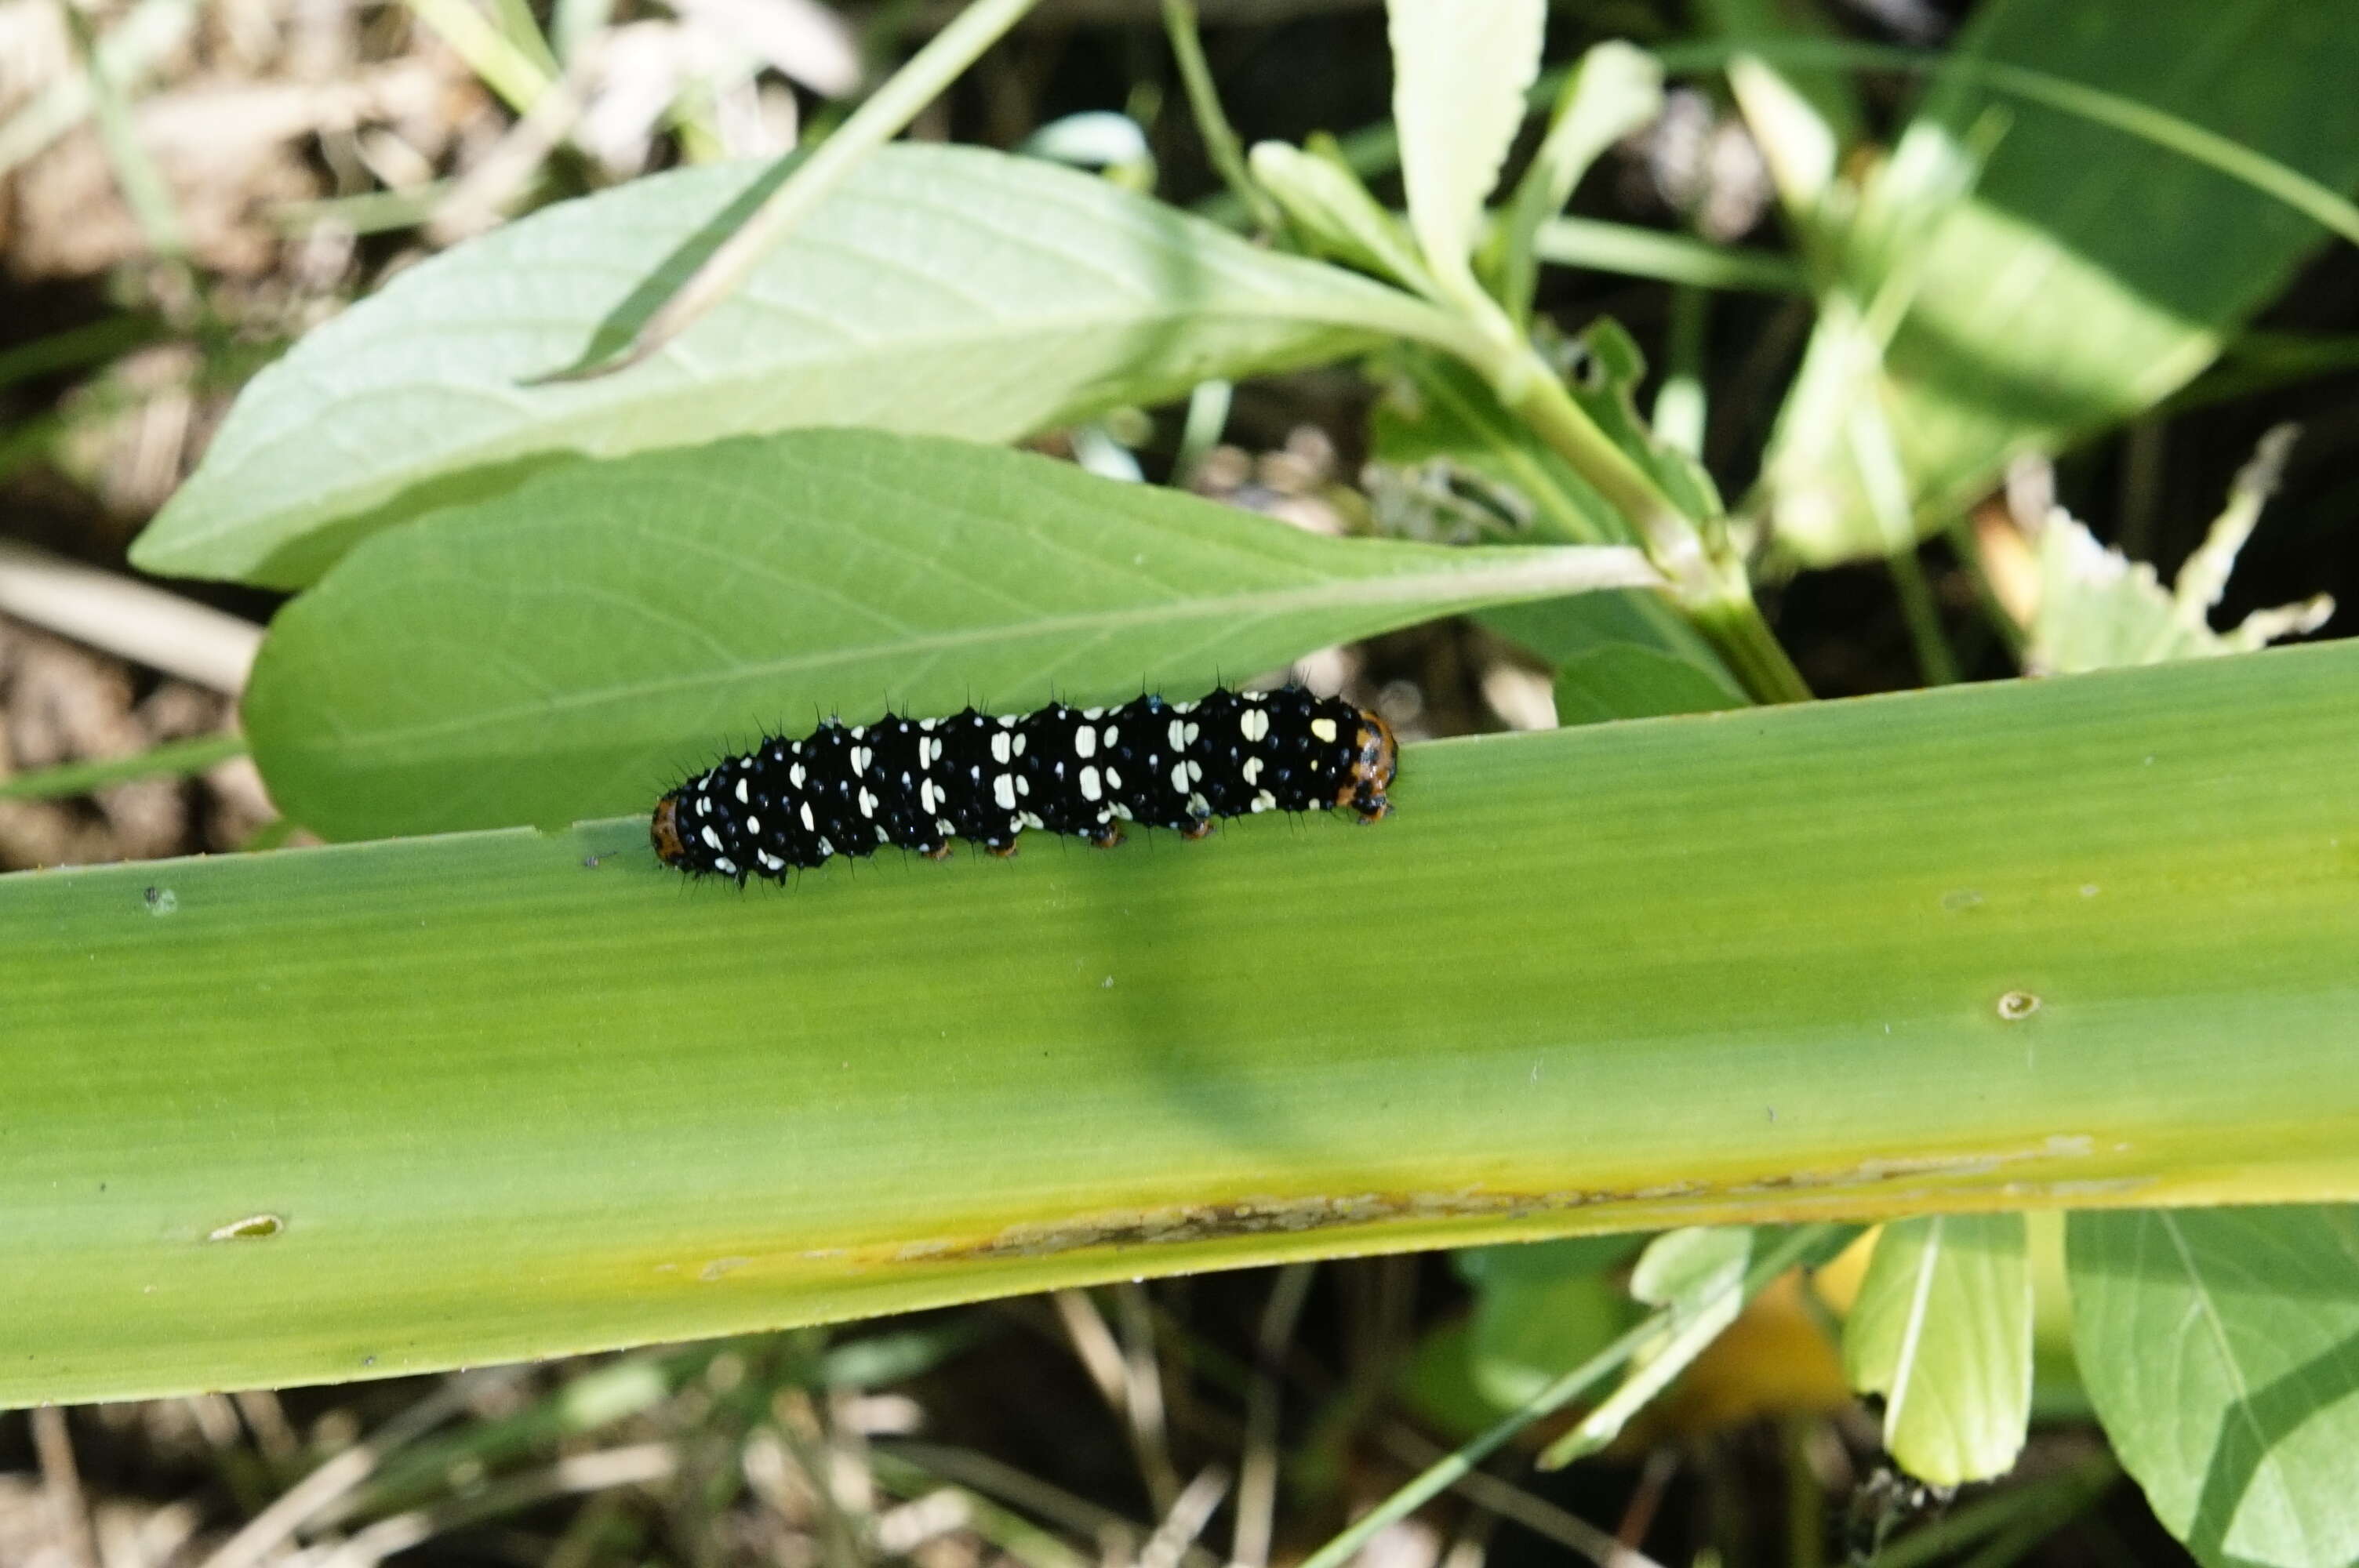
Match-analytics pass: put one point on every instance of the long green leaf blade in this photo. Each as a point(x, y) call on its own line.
point(567, 650)
point(941, 289)
point(450, 1100)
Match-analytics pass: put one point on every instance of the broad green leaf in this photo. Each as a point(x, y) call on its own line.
point(1460, 73)
point(1614, 90)
point(519, 1094)
point(1540, 1311)
point(941, 289)
point(569, 649)
point(2090, 273)
point(1699, 1273)
point(1624, 680)
point(2221, 1347)
point(1943, 1330)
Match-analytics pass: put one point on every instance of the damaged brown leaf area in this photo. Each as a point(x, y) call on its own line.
point(1868, 1189)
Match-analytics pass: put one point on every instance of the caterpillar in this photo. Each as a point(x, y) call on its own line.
point(919, 783)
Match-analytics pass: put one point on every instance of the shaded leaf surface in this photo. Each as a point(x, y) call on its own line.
point(1624, 680)
point(1540, 1311)
point(568, 651)
point(942, 289)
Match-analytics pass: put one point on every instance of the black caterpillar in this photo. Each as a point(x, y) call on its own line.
point(919, 783)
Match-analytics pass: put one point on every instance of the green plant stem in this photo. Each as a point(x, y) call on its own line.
point(1626, 248)
point(885, 113)
point(1917, 609)
point(518, 77)
point(77, 346)
point(2011, 632)
point(1221, 144)
point(173, 759)
point(136, 174)
point(1731, 622)
point(1446, 1472)
point(1707, 584)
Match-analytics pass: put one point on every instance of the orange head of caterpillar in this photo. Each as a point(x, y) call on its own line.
point(1374, 754)
point(663, 832)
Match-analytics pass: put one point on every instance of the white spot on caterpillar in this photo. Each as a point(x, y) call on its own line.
point(1085, 742)
point(795, 775)
point(1023, 784)
point(1180, 778)
point(1179, 733)
point(1029, 819)
point(1253, 770)
point(926, 796)
point(1002, 790)
point(741, 792)
point(769, 862)
point(827, 846)
point(926, 724)
point(809, 825)
point(1113, 734)
point(1195, 772)
point(1199, 807)
point(711, 840)
point(753, 825)
point(1094, 714)
point(1019, 743)
point(882, 837)
point(1265, 801)
point(1184, 707)
point(1113, 779)
point(1323, 727)
point(704, 805)
point(868, 804)
point(1090, 790)
point(1254, 723)
point(945, 826)
point(860, 757)
point(999, 748)
point(858, 730)
point(1190, 734)
point(725, 865)
point(1007, 721)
